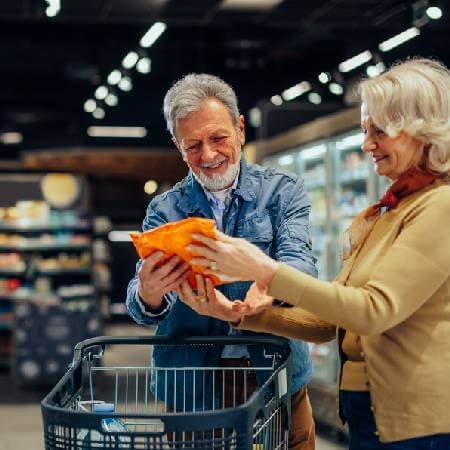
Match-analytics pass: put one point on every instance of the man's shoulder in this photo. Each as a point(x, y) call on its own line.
point(271, 175)
point(166, 199)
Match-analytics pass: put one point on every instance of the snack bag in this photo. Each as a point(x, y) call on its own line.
point(172, 238)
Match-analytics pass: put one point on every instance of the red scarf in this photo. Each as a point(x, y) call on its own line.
point(411, 181)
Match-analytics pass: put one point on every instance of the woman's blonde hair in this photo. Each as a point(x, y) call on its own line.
point(413, 97)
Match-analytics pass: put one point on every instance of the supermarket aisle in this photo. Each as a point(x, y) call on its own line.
point(20, 415)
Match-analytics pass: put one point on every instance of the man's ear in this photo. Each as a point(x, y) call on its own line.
point(175, 142)
point(241, 127)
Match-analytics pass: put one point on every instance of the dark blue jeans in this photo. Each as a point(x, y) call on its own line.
point(361, 423)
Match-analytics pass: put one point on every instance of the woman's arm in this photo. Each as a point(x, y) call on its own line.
point(295, 323)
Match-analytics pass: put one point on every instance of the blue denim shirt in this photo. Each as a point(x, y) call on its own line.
point(269, 209)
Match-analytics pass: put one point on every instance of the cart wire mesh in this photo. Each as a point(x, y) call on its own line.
point(164, 408)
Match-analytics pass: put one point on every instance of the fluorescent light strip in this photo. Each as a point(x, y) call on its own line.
point(130, 60)
point(117, 132)
point(399, 39)
point(11, 137)
point(119, 236)
point(154, 32)
point(355, 61)
point(296, 91)
point(249, 4)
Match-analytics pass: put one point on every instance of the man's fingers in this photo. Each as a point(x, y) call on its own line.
point(201, 289)
point(210, 291)
point(211, 243)
point(149, 263)
point(178, 272)
point(167, 267)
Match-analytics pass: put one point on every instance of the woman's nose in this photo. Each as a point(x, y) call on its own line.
point(369, 144)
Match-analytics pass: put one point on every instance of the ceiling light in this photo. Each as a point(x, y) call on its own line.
point(90, 105)
point(111, 100)
point(98, 113)
point(374, 70)
point(153, 34)
point(255, 117)
point(324, 77)
point(117, 132)
point(336, 88)
point(11, 138)
point(101, 92)
point(130, 60)
point(114, 77)
point(150, 187)
point(277, 100)
point(53, 8)
point(398, 39)
point(314, 98)
point(296, 91)
point(119, 236)
point(249, 4)
point(355, 61)
point(434, 12)
point(144, 65)
point(125, 84)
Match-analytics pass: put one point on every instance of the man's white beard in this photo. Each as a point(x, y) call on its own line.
point(217, 182)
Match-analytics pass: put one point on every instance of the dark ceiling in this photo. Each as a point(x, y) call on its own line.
point(51, 66)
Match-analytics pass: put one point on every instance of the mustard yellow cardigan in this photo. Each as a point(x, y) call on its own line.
point(397, 298)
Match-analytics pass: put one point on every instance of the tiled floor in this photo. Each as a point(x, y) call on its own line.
point(20, 414)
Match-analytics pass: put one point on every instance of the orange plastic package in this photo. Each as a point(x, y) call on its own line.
point(172, 238)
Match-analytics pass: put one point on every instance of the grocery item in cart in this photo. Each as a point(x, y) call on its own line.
point(173, 238)
point(94, 439)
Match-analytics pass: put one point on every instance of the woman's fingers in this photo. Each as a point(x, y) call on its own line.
point(200, 250)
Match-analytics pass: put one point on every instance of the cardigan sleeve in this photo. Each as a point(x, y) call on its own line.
point(295, 323)
point(412, 269)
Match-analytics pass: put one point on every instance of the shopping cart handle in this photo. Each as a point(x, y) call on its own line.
point(82, 347)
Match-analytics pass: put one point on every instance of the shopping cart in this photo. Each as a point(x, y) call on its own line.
point(164, 408)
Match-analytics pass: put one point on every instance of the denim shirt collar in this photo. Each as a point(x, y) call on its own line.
point(193, 197)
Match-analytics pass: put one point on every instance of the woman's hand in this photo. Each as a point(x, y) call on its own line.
point(208, 301)
point(232, 259)
point(255, 301)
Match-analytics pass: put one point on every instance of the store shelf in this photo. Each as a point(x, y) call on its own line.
point(61, 272)
point(12, 273)
point(44, 228)
point(44, 248)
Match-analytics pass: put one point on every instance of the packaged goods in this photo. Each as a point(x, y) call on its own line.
point(173, 238)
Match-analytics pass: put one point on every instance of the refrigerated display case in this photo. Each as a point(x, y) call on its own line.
point(340, 181)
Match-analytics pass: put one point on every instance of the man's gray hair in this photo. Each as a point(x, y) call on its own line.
point(189, 92)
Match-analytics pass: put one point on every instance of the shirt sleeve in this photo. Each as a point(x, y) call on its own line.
point(295, 323)
point(413, 268)
point(293, 240)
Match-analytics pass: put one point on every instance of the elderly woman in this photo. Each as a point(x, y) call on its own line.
point(390, 304)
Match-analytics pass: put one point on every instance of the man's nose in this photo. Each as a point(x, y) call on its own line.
point(209, 152)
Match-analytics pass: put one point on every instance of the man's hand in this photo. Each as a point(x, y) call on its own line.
point(208, 301)
point(154, 281)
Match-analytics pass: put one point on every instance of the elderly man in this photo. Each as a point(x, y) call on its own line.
point(261, 205)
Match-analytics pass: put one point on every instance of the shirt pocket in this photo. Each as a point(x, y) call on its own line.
point(258, 230)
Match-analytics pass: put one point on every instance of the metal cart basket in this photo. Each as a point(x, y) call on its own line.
point(164, 408)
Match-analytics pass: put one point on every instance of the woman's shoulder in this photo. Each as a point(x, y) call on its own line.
point(434, 198)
